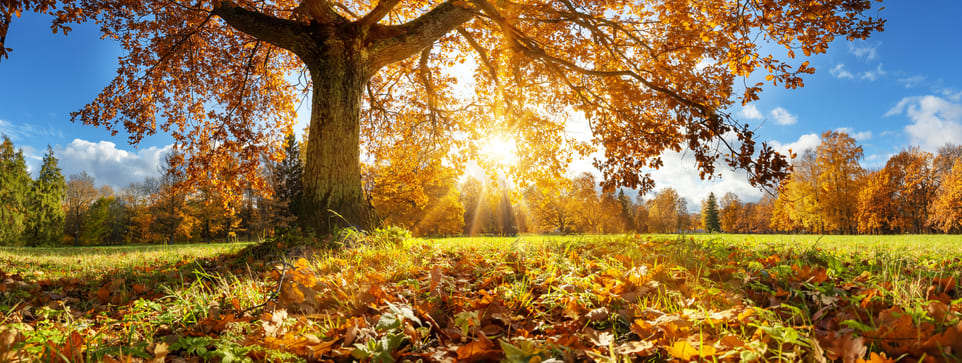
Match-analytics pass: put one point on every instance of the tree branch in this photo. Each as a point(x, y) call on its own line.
point(283, 33)
point(321, 11)
point(379, 12)
point(399, 42)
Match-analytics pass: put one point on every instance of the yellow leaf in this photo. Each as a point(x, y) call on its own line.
point(683, 350)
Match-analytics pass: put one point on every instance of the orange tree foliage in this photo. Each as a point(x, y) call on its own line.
point(947, 210)
point(839, 176)
point(649, 76)
point(914, 182)
point(410, 188)
point(875, 208)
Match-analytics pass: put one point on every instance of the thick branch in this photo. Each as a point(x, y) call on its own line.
point(379, 12)
point(321, 11)
point(399, 42)
point(280, 32)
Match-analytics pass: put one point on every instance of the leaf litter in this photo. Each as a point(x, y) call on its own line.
point(602, 299)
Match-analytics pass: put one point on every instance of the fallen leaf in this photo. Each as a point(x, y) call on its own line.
point(640, 348)
point(478, 350)
point(598, 314)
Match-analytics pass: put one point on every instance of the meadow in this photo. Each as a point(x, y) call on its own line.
point(382, 298)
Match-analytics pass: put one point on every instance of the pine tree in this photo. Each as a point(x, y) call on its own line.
point(46, 226)
point(288, 186)
point(14, 193)
point(709, 214)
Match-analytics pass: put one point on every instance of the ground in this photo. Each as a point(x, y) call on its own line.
point(529, 298)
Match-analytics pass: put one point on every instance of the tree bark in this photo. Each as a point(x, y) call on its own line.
point(333, 196)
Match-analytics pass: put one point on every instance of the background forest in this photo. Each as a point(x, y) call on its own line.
point(828, 192)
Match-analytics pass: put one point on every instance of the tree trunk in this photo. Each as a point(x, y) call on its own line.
point(333, 196)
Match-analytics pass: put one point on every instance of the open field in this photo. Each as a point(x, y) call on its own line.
point(601, 298)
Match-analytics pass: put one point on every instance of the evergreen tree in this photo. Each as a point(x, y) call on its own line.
point(288, 181)
point(709, 214)
point(627, 211)
point(14, 193)
point(46, 226)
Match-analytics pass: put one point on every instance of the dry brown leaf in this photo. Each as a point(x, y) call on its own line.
point(274, 323)
point(842, 345)
point(9, 337)
point(640, 348)
point(598, 314)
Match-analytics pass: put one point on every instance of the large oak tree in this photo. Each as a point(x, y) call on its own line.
point(649, 75)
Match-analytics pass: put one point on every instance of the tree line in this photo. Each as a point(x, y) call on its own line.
point(828, 191)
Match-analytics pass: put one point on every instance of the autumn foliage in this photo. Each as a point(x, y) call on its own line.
point(648, 77)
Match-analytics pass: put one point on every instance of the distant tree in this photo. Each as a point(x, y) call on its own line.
point(411, 187)
point(586, 203)
point(627, 211)
point(915, 181)
point(552, 204)
point(46, 226)
point(946, 157)
point(506, 224)
point(138, 197)
point(612, 220)
point(105, 222)
point(801, 192)
point(174, 219)
point(15, 191)
point(840, 175)
point(761, 220)
point(287, 181)
point(80, 194)
point(641, 215)
point(947, 210)
point(731, 209)
point(665, 212)
point(709, 214)
point(876, 203)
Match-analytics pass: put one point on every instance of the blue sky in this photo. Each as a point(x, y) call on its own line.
point(900, 88)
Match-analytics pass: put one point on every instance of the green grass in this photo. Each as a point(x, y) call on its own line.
point(917, 245)
point(92, 262)
point(608, 298)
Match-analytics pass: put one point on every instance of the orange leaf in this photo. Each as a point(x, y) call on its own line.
point(876, 358)
point(479, 350)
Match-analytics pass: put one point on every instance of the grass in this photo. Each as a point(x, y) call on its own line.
point(603, 298)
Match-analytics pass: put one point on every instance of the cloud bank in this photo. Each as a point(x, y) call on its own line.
point(935, 120)
point(108, 164)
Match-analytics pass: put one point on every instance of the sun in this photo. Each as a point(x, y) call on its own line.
point(499, 149)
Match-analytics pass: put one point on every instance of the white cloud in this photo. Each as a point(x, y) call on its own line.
point(865, 50)
point(935, 120)
point(108, 164)
point(874, 75)
point(20, 131)
point(679, 172)
point(783, 117)
point(858, 136)
point(751, 112)
point(912, 81)
point(804, 142)
point(952, 94)
point(840, 72)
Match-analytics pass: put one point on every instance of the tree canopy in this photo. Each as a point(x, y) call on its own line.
point(649, 76)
